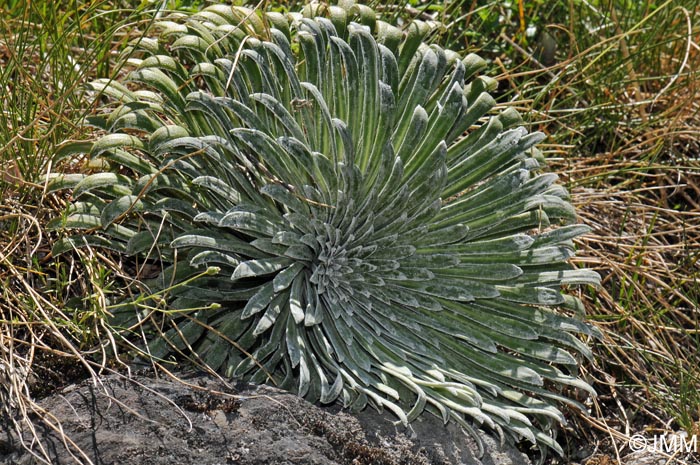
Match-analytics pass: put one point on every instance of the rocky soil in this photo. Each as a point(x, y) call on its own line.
point(204, 421)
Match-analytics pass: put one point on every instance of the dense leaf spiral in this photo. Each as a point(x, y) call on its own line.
point(381, 234)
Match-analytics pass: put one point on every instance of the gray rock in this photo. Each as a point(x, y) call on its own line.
point(149, 421)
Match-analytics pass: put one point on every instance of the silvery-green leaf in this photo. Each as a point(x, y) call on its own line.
point(68, 244)
point(531, 295)
point(285, 277)
point(214, 256)
point(110, 183)
point(260, 267)
point(120, 207)
point(250, 222)
point(59, 182)
point(230, 244)
point(270, 316)
point(259, 301)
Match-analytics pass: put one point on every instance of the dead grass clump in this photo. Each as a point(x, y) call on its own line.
point(632, 162)
point(642, 203)
point(51, 328)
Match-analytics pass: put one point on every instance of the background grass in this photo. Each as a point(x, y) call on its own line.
point(613, 83)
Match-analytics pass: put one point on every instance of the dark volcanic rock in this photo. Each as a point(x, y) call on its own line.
point(157, 421)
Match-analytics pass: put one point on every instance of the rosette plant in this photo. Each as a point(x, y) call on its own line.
point(340, 209)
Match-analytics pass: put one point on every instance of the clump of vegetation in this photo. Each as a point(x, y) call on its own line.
point(370, 231)
point(52, 312)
